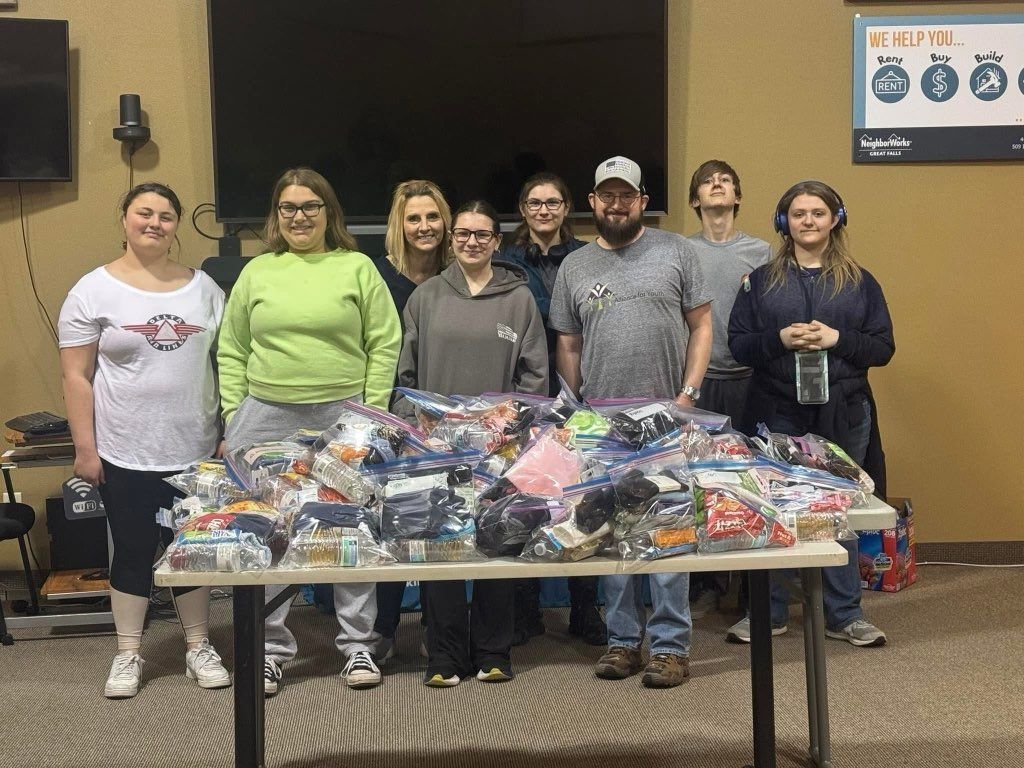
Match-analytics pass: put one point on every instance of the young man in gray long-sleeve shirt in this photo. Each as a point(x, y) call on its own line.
point(726, 257)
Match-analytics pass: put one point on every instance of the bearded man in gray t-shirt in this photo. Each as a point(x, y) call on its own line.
point(634, 319)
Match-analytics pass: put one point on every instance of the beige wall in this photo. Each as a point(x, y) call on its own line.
point(761, 83)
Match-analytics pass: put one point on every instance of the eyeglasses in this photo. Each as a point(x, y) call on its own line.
point(628, 198)
point(309, 209)
point(553, 204)
point(483, 236)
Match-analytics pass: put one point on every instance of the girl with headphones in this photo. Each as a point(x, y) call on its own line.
point(813, 306)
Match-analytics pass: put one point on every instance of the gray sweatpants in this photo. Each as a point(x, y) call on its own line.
point(355, 605)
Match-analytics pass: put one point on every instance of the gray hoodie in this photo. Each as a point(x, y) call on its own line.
point(459, 344)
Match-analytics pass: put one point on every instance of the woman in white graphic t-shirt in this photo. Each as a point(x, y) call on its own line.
point(135, 341)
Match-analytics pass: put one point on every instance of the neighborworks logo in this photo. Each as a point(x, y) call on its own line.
point(893, 142)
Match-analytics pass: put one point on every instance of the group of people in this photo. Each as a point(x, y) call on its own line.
point(714, 321)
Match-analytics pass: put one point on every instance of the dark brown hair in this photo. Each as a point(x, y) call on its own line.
point(708, 169)
point(521, 234)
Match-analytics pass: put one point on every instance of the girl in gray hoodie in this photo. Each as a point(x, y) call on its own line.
point(472, 329)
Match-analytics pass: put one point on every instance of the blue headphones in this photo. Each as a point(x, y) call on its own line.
point(781, 219)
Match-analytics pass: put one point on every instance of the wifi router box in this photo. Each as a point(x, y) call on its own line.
point(76, 542)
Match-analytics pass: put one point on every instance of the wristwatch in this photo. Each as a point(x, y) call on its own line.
point(691, 392)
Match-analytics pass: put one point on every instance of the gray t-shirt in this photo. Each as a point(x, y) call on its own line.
point(725, 265)
point(628, 303)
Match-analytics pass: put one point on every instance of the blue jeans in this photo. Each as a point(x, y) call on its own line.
point(669, 625)
point(841, 584)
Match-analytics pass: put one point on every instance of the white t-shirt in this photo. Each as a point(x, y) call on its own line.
point(154, 392)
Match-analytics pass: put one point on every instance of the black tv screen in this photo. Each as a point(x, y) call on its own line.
point(476, 96)
point(35, 113)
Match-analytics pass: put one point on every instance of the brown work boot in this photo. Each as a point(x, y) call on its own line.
point(619, 663)
point(666, 670)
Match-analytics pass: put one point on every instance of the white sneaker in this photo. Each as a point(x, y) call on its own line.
point(123, 680)
point(360, 671)
point(203, 665)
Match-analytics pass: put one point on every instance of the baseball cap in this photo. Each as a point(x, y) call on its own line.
point(619, 167)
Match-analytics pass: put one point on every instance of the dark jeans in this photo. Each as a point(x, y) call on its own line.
point(464, 638)
point(841, 584)
point(132, 498)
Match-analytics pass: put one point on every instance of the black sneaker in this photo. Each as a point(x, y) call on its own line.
point(271, 677)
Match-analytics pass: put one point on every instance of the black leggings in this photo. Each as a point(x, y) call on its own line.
point(132, 498)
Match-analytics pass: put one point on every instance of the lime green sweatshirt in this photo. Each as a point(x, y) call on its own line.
point(308, 329)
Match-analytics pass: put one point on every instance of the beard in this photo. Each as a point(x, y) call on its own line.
point(616, 234)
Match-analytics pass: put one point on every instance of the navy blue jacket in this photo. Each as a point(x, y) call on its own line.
point(528, 256)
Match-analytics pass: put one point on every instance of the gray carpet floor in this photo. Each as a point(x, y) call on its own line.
point(946, 691)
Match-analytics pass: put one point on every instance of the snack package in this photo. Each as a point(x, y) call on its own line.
point(427, 505)
point(329, 534)
point(183, 510)
point(641, 422)
point(655, 510)
point(209, 481)
point(729, 517)
point(585, 527)
point(234, 538)
point(504, 526)
point(250, 464)
point(814, 451)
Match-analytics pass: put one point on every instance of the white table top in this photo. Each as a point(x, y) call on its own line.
point(874, 515)
point(806, 555)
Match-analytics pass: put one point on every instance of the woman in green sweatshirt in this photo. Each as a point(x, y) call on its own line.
point(307, 326)
point(472, 329)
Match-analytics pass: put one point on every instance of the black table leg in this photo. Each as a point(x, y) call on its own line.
point(761, 681)
point(247, 605)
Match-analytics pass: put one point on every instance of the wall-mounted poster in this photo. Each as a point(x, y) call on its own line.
point(930, 88)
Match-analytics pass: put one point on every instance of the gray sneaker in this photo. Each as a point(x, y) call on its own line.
point(740, 631)
point(860, 633)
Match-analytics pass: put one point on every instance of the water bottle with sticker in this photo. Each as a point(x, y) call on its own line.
point(812, 377)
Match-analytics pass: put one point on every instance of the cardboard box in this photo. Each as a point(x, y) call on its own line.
point(888, 558)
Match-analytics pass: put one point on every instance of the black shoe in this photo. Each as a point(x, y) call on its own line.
point(585, 622)
point(524, 630)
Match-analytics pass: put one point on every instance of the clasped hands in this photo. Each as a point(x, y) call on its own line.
point(810, 336)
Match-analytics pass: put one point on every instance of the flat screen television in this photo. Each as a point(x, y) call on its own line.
point(35, 105)
point(476, 96)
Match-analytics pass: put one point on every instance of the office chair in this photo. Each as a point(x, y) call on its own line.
point(16, 520)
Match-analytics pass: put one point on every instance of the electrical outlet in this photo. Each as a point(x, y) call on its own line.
point(17, 497)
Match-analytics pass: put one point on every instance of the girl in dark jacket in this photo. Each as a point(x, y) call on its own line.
point(813, 299)
point(538, 245)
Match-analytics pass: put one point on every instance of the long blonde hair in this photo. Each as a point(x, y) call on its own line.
point(395, 244)
point(838, 265)
point(337, 236)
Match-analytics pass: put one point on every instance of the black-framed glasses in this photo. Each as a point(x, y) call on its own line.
point(552, 204)
point(483, 236)
point(629, 198)
point(310, 209)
